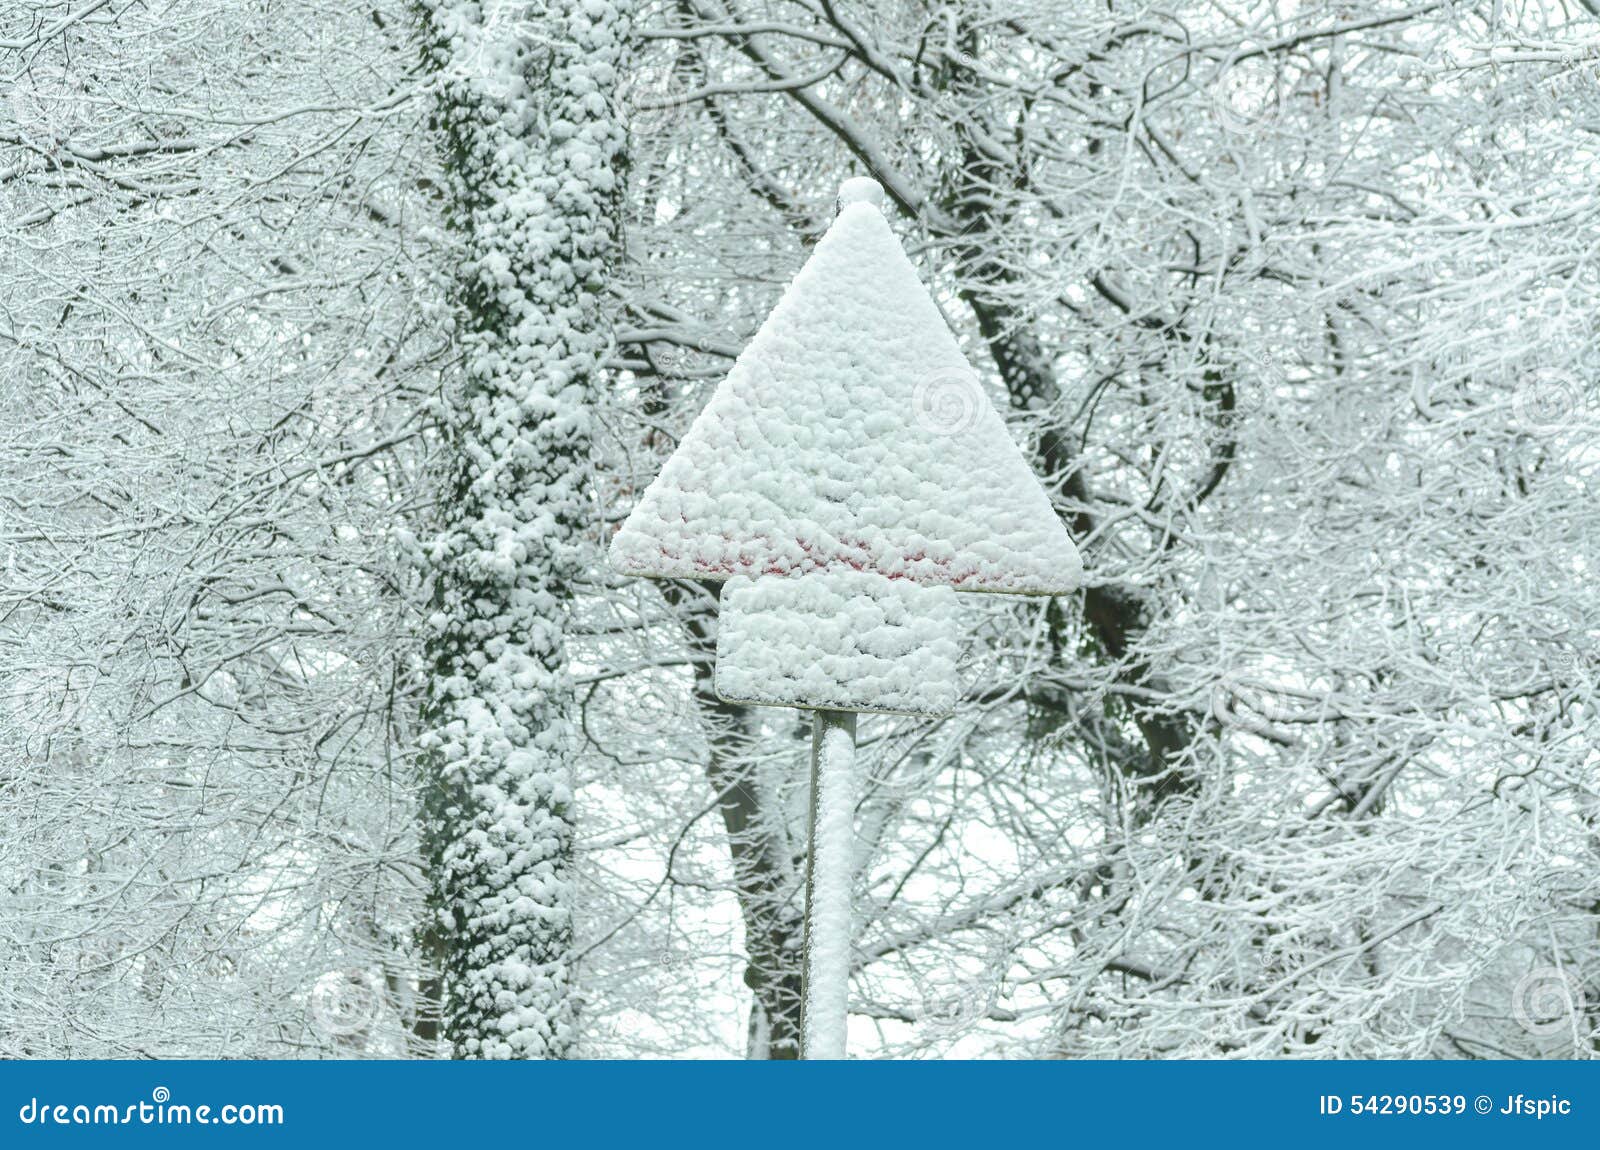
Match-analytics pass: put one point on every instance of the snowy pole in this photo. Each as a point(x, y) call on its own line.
point(825, 976)
point(825, 970)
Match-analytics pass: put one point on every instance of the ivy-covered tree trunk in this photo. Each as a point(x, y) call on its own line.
point(533, 150)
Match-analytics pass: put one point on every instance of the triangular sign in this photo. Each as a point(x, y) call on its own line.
point(852, 433)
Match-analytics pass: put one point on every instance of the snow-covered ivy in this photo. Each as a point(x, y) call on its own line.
point(525, 113)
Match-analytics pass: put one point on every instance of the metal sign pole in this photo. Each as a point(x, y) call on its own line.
point(825, 975)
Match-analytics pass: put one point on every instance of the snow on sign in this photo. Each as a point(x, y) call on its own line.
point(838, 640)
point(846, 479)
point(851, 433)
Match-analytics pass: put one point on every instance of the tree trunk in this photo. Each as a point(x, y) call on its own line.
point(534, 164)
point(765, 877)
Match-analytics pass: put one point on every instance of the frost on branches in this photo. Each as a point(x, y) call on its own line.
point(533, 151)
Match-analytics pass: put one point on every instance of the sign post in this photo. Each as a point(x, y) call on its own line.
point(843, 482)
point(825, 977)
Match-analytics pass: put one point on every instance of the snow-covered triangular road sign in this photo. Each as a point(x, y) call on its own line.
point(852, 434)
point(838, 640)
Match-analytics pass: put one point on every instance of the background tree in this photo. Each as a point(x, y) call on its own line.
point(217, 328)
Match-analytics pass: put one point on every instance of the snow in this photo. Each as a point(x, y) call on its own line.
point(852, 433)
point(861, 190)
point(842, 640)
point(828, 917)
